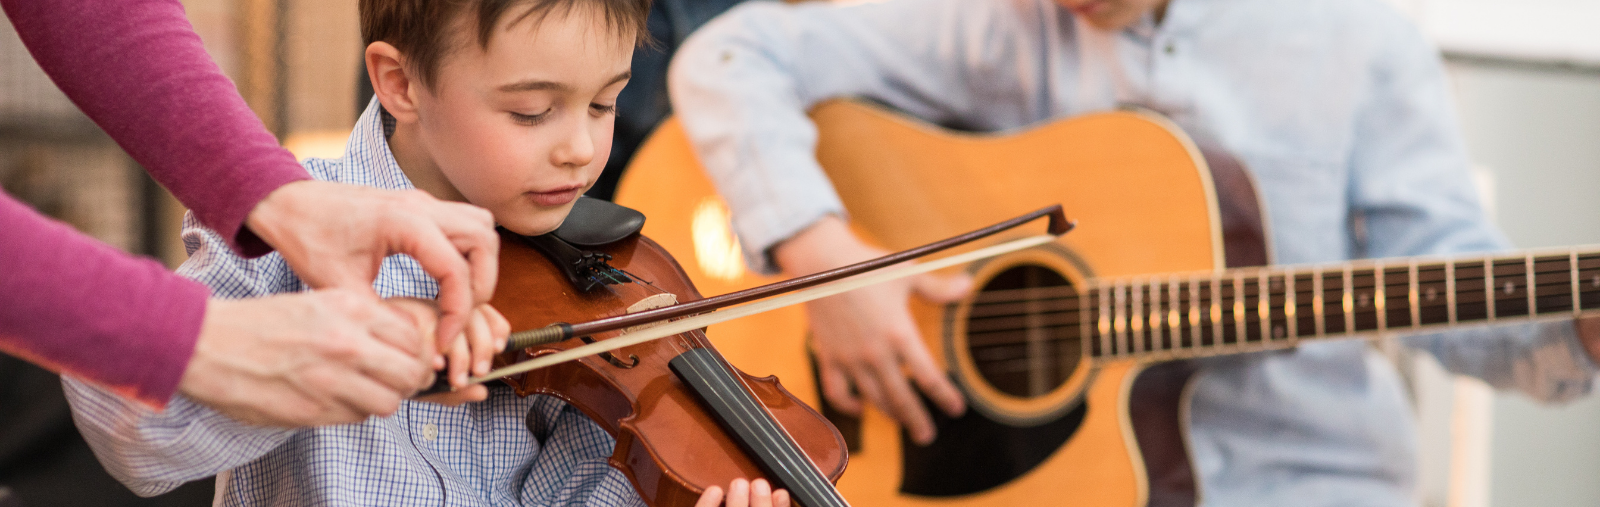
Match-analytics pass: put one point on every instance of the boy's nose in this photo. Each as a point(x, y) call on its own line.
point(578, 151)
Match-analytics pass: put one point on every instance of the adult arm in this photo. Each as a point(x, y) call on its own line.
point(75, 305)
point(137, 68)
point(741, 86)
point(1414, 195)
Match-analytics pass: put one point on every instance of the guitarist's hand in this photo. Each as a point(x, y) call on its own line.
point(865, 340)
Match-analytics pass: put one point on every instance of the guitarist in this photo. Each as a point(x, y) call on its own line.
point(1339, 106)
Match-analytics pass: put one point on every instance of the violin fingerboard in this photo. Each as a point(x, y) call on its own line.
point(744, 418)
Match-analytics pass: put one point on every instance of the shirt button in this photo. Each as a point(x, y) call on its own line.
point(430, 432)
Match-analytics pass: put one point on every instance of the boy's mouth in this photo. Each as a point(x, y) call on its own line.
point(555, 197)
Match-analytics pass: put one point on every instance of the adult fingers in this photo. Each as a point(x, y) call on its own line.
point(901, 401)
point(836, 386)
point(359, 395)
point(941, 289)
point(423, 241)
point(711, 498)
point(930, 378)
point(471, 230)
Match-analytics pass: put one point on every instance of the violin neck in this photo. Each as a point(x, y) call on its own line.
point(738, 411)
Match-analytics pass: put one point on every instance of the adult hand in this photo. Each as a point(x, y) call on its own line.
point(864, 337)
point(743, 493)
point(485, 336)
point(325, 357)
point(336, 235)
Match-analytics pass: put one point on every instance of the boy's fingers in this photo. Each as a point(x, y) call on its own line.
point(470, 394)
point(460, 358)
point(760, 493)
point(739, 493)
point(711, 498)
point(780, 498)
point(498, 326)
point(483, 348)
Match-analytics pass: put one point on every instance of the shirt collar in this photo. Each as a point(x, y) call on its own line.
point(367, 151)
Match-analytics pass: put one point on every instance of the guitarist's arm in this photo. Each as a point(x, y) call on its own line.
point(741, 86)
point(1413, 195)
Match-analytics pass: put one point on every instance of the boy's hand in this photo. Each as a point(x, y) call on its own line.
point(325, 357)
point(864, 337)
point(485, 336)
point(744, 493)
point(336, 235)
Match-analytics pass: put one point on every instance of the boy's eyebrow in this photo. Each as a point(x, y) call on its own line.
point(536, 85)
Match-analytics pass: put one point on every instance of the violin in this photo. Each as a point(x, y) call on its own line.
point(684, 419)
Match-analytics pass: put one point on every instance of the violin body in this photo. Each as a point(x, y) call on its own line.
point(668, 443)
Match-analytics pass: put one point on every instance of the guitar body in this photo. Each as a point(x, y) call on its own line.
point(1045, 420)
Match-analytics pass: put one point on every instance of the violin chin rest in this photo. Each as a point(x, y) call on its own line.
point(594, 222)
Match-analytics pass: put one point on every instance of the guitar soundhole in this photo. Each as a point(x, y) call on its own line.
point(1023, 332)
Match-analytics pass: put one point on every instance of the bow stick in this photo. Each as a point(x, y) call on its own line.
point(820, 285)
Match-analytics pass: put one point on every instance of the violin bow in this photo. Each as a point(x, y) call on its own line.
point(708, 311)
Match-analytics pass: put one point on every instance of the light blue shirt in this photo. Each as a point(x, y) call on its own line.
point(1339, 107)
point(426, 455)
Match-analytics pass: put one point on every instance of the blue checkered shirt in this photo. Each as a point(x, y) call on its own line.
point(424, 455)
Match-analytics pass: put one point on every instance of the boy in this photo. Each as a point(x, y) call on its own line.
point(503, 104)
point(1339, 108)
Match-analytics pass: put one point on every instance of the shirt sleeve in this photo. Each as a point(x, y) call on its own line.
point(137, 68)
point(741, 86)
point(77, 306)
point(154, 452)
point(1413, 195)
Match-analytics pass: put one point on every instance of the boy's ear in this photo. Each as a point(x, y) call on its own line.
point(391, 82)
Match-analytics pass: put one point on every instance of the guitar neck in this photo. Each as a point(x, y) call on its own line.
point(1254, 309)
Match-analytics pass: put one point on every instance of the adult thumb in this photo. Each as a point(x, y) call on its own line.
point(941, 288)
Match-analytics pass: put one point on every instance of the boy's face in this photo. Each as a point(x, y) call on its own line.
point(1112, 14)
point(523, 128)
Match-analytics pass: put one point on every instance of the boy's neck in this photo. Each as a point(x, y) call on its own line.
point(418, 166)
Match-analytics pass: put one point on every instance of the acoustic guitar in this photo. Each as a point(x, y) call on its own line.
point(1072, 355)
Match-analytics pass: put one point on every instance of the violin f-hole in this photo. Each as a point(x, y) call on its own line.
point(632, 361)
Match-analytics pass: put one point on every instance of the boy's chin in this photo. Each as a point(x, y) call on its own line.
point(534, 224)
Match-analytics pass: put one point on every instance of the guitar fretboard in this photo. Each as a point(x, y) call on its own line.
point(1250, 309)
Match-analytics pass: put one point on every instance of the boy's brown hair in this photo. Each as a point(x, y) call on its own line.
point(426, 30)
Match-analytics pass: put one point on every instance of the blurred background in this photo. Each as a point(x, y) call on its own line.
point(1526, 75)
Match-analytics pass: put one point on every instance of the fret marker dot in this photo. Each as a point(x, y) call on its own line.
point(1433, 294)
point(1510, 288)
point(1363, 300)
point(1594, 282)
point(1277, 331)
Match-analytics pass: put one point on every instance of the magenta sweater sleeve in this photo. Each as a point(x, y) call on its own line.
point(137, 68)
point(75, 305)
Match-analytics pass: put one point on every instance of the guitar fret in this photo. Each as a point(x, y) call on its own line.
point(1450, 289)
point(1533, 287)
point(1411, 295)
point(1290, 317)
point(1155, 315)
point(1318, 306)
point(1120, 320)
point(1174, 326)
point(1195, 334)
point(1239, 327)
point(1264, 305)
point(1488, 287)
point(1216, 310)
point(1136, 317)
point(1577, 296)
point(1105, 319)
point(1378, 291)
point(1349, 300)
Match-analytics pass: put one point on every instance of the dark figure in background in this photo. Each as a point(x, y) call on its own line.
point(644, 103)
